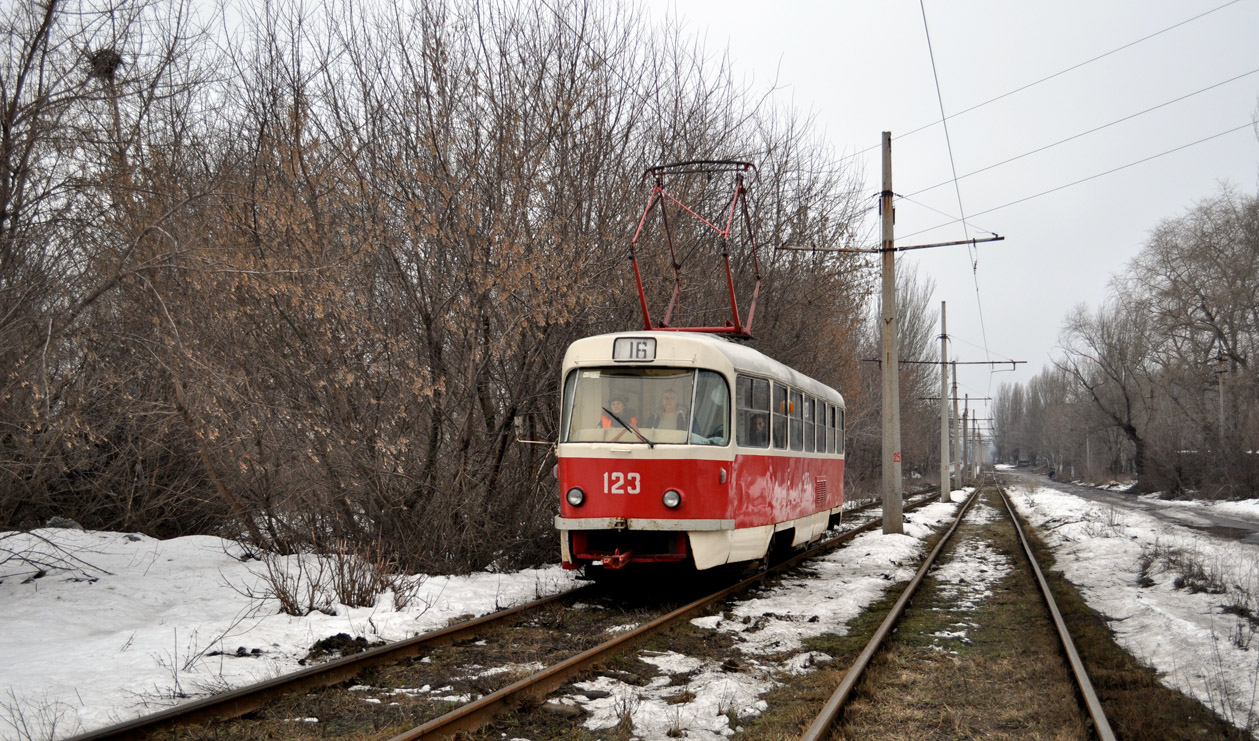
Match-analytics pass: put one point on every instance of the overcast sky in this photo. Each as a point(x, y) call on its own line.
point(864, 67)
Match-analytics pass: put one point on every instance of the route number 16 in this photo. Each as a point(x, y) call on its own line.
point(616, 482)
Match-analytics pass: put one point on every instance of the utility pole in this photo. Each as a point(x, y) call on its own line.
point(892, 514)
point(978, 461)
point(957, 434)
point(945, 488)
point(965, 460)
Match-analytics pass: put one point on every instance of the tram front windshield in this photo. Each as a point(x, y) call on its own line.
point(641, 405)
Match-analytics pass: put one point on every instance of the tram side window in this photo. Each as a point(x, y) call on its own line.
point(711, 423)
point(797, 420)
point(819, 422)
point(839, 434)
point(780, 417)
point(752, 403)
point(809, 427)
point(828, 422)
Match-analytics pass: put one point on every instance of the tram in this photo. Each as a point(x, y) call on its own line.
point(691, 449)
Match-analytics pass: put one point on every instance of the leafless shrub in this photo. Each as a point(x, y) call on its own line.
point(301, 584)
point(30, 720)
point(351, 575)
point(1192, 569)
point(624, 704)
point(1099, 523)
point(361, 574)
point(32, 554)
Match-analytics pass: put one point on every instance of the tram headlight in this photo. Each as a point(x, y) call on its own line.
point(575, 496)
point(672, 499)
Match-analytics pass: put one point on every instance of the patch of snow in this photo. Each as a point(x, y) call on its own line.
point(803, 663)
point(125, 625)
point(1186, 637)
point(981, 514)
point(837, 589)
point(717, 694)
point(670, 662)
point(625, 628)
point(968, 576)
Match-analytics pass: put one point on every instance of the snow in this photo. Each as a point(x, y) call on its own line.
point(1195, 645)
point(1248, 508)
point(123, 624)
point(831, 590)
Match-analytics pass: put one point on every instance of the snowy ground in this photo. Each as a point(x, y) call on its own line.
point(1182, 601)
point(121, 624)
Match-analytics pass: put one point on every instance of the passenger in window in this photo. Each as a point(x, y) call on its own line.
point(670, 416)
point(617, 407)
point(758, 436)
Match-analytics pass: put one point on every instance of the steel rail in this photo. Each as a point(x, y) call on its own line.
point(477, 713)
point(821, 725)
point(1094, 705)
point(237, 702)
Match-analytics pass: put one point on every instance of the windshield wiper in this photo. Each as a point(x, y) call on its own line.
point(631, 428)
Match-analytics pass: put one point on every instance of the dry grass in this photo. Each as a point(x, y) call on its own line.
point(1006, 680)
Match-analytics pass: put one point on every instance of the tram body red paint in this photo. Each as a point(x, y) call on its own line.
point(759, 489)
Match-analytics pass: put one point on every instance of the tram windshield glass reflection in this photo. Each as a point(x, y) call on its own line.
point(665, 405)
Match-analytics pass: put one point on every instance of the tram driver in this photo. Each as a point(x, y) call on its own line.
point(618, 408)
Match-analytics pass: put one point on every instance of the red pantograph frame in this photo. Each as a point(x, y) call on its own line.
point(733, 326)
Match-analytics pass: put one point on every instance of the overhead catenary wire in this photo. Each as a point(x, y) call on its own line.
point(1049, 77)
point(1093, 130)
point(1073, 183)
point(957, 188)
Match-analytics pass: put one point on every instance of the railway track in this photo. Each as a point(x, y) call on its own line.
point(827, 722)
point(246, 700)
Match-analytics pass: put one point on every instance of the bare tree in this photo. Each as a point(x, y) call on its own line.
point(306, 296)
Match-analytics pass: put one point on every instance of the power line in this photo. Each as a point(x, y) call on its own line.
point(1085, 133)
point(955, 338)
point(948, 141)
point(1235, 129)
point(942, 213)
point(1059, 73)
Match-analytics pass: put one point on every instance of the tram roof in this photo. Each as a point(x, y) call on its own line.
point(698, 350)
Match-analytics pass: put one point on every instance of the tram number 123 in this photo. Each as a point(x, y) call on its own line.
point(616, 482)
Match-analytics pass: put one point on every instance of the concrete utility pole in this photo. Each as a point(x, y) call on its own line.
point(945, 488)
point(979, 451)
point(965, 459)
point(892, 514)
point(957, 435)
point(978, 458)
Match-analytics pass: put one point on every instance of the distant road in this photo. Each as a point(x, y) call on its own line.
point(1231, 526)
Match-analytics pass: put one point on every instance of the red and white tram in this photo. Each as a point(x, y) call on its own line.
point(691, 448)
